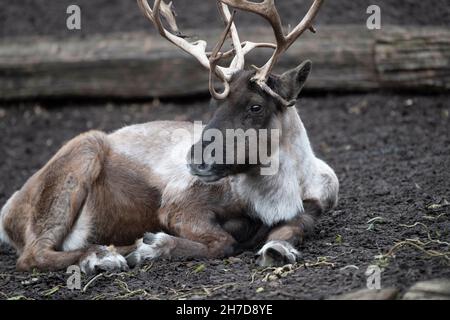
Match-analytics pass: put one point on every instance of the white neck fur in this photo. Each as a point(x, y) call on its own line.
point(278, 197)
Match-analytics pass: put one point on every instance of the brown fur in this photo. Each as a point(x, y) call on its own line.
point(49, 203)
point(108, 183)
point(123, 201)
point(85, 170)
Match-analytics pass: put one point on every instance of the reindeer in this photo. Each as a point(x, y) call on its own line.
point(111, 201)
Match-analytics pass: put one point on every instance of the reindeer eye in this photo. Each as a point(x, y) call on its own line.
point(256, 108)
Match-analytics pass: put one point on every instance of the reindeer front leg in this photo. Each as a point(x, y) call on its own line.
point(279, 248)
point(44, 212)
point(194, 233)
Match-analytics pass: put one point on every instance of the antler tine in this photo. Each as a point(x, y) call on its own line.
point(305, 24)
point(268, 10)
point(196, 49)
point(215, 57)
point(248, 46)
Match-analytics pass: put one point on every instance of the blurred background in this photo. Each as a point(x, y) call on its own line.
point(46, 17)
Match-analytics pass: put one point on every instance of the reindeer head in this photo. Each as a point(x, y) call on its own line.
point(251, 100)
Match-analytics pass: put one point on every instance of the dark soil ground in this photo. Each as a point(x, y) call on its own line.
point(392, 156)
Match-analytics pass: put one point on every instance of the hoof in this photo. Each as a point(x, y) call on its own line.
point(150, 247)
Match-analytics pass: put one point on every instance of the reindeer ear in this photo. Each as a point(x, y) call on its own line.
point(292, 81)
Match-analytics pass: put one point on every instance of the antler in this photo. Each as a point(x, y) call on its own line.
point(268, 11)
point(196, 49)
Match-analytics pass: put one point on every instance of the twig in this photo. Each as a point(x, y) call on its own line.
point(435, 218)
point(124, 286)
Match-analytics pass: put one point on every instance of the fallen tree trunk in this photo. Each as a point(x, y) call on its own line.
point(138, 65)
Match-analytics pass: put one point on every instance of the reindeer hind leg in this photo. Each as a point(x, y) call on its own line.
point(53, 199)
point(162, 245)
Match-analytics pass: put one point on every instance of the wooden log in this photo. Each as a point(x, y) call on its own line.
point(437, 289)
point(411, 60)
point(368, 294)
point(139, 65)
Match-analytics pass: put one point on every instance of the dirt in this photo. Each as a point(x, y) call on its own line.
point(392, 156)
point(48, 17)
